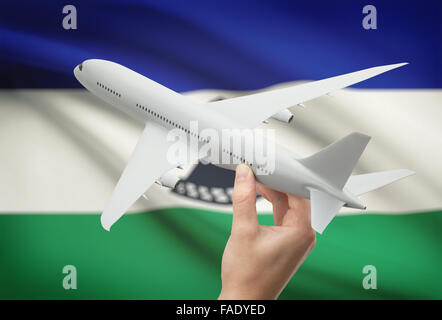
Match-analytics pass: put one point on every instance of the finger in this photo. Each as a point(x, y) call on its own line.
point(298, 212)
point(244, 198)
point(278, 200)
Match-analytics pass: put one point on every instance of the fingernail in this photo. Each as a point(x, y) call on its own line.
point(242, 171)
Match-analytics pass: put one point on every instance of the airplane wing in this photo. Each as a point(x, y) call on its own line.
point(147, 163)
point(255, 108)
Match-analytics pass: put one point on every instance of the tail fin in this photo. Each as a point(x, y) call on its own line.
point(336, 162)
point(364, 183)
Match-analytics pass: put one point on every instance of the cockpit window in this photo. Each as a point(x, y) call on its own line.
point(80, 66)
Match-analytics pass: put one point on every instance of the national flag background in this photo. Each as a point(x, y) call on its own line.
point(62, 149)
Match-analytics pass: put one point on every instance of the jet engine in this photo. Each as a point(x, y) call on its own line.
point(169, 180)
point(284, 116)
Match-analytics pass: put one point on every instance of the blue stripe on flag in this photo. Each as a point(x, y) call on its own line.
point(189, 45)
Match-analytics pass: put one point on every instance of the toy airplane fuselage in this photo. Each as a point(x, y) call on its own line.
point(323, 177)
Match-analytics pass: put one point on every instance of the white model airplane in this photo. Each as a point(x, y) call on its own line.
point(323, 177)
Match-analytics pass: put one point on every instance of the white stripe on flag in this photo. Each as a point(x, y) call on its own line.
point(63, 150)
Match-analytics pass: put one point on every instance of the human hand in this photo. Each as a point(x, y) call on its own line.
point(259, 260)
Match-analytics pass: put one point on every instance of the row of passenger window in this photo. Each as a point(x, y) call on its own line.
point(162, 118)
point(108, 89)
point(243, 160)
point(176, 125)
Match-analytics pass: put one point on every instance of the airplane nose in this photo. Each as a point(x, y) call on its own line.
point(78, 69)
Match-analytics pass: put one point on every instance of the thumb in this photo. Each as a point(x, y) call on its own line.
point(244, 198)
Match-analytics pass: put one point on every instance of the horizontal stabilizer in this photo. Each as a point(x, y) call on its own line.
point(336, 162)
point(360, 184)
point(324, 208)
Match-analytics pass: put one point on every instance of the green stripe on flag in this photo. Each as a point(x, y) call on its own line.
point(176, 254)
